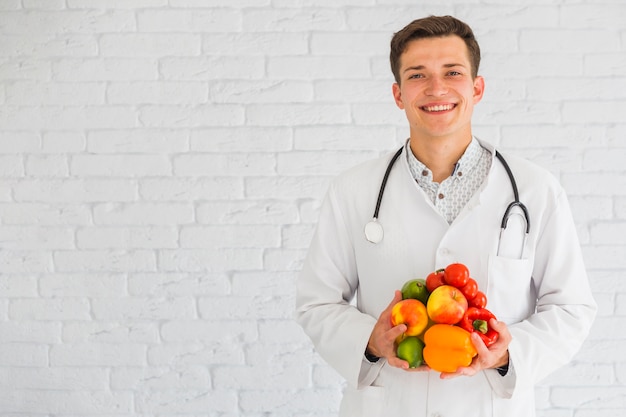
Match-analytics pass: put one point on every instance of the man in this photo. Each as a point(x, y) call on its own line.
point(443, 203)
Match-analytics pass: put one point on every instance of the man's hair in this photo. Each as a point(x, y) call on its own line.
point(433, 27)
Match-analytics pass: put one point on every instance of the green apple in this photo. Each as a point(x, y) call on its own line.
point(416, 289)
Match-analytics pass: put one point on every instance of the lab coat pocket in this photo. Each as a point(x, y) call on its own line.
point(365, 402)
point(510, 293)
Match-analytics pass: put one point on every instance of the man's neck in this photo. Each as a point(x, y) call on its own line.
point(439, 154)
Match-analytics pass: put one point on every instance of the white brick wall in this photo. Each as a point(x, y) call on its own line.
point(161, 169)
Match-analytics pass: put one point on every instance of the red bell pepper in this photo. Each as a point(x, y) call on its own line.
point(476, 320)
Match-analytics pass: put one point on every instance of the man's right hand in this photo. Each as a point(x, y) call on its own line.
point(383, 337)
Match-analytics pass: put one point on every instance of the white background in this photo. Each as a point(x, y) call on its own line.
point(162, 164)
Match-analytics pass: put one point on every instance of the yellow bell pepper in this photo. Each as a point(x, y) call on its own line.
point(448, 348)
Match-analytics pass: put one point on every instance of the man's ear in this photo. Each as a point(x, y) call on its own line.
point(479, 88)
point(397, 95)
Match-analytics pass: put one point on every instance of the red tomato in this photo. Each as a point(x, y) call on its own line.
point(480, 301)
point(470, 289)
point(456, 275)
point(434, 280)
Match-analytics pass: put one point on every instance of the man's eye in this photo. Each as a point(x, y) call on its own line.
point(416, 76)
point(454, 73)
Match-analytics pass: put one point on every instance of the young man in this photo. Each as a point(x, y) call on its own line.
point(443, 203)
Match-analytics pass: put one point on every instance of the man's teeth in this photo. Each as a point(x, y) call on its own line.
point(439, 108)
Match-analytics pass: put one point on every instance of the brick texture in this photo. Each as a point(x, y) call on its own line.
point(162, 164)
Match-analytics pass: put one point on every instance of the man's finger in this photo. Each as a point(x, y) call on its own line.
point(398, 363)
point(479, 344)
point(384, 316)
point(421, 368)
point(500, 327)
point(396, 297)
point(504, 336)
point(396, 331)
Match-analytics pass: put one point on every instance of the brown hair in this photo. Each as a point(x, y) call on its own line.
point(433, 27)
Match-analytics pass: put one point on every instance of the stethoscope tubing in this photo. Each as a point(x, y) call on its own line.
point(516, 202)
point(383, 185)
point(374, 230)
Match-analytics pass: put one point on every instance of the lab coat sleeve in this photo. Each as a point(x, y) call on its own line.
point(565, 311)
point(324, 289)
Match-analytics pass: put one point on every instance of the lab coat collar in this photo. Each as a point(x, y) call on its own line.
point(465, 164)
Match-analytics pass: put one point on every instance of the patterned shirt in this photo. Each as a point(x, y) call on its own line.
point(453, 193)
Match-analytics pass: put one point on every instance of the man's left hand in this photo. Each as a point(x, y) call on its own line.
point(495, 356)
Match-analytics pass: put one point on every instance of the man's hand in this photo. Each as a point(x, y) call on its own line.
point(493, 357)
point(383, 337)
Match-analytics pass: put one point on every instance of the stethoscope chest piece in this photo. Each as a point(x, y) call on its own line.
point(374, 231)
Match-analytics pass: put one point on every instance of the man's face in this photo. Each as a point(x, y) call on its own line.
point(436, 88)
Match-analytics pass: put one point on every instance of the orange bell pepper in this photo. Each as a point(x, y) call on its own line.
point(447, 348)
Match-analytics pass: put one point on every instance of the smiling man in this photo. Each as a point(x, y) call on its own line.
point(436, 87)
point(442, 199)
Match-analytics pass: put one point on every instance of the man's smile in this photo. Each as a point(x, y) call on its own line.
point(438, 107)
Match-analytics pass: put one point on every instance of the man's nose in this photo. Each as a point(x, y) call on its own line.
point(436, 87)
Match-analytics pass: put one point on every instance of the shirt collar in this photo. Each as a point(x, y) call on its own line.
point(464, 166)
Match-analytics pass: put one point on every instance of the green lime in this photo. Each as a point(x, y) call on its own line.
point(416, 289)
point(410, 349)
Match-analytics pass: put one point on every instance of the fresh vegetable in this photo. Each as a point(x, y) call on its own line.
point(476, 320)
point(447, 348)
point(479, 301)
point(446, 305)
point(441, 312)
point(412, 313)
point(415, 288)
point(456, 275)
point(434, 280)
point(470, 289)
point(411, 350)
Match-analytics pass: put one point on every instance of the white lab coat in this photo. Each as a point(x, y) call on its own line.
point(544, 298)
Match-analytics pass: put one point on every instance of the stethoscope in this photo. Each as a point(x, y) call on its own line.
point(374, 230)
